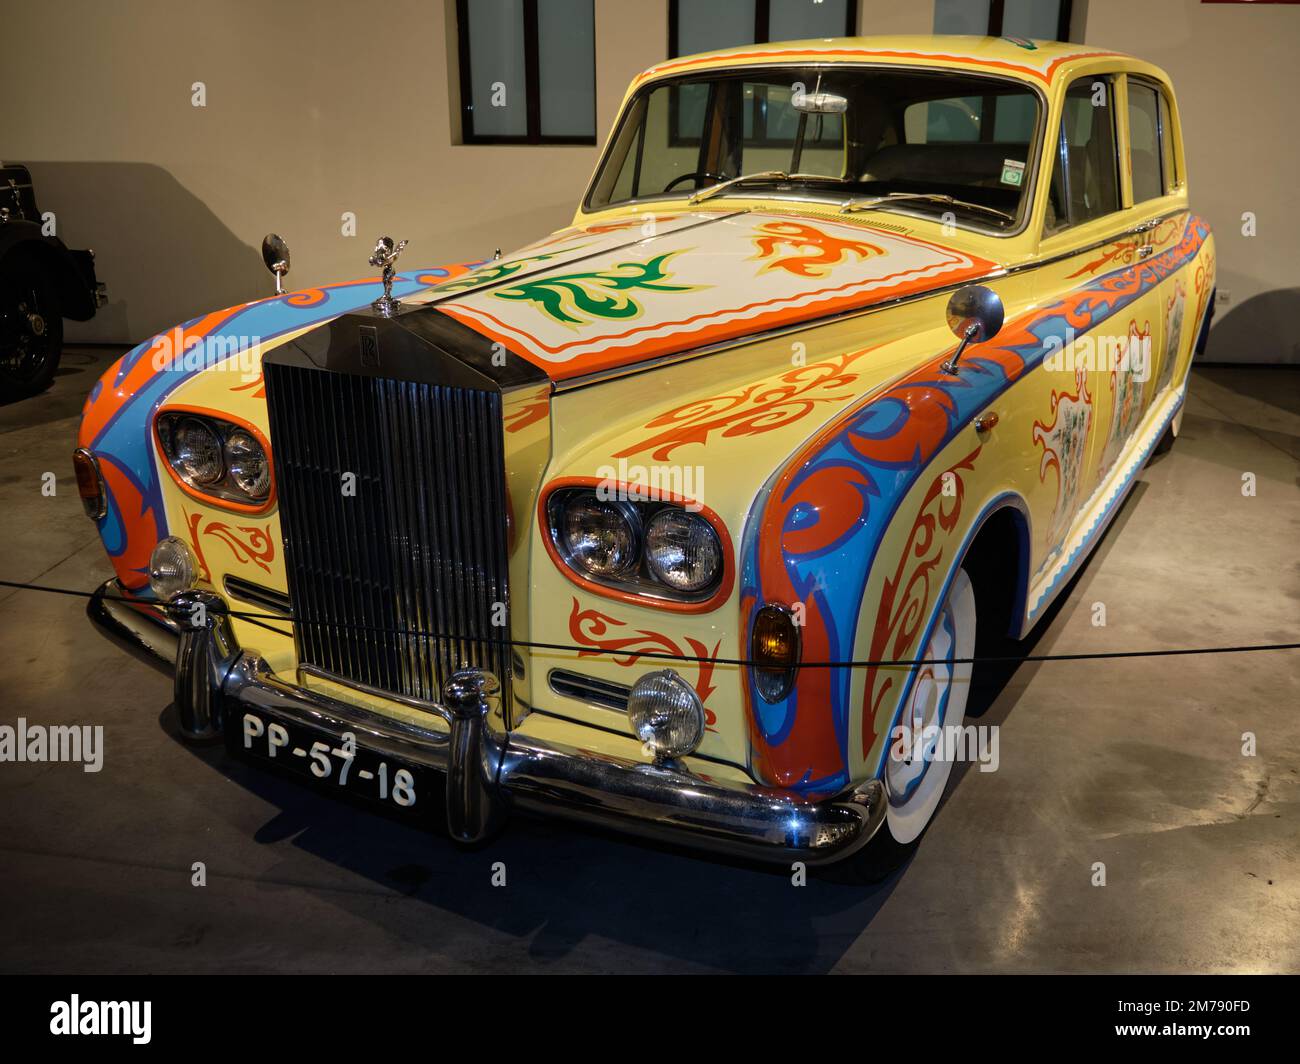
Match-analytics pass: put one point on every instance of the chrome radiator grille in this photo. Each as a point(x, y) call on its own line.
point(397, 585)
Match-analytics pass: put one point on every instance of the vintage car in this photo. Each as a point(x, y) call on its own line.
point(597, 527)
point(42, 281)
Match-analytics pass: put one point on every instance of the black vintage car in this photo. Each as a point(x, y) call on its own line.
point(41, 283)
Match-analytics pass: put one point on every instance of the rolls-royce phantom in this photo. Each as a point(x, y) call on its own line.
point(696, 517)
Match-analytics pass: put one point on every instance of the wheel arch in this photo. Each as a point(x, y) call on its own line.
point(998, 540)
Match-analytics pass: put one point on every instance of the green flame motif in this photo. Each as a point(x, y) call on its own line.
point(495, 271)
point(575, 299)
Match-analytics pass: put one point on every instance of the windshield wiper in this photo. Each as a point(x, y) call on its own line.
point(868, 202)
point(760, 175)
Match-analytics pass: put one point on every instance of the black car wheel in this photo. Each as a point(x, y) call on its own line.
point(31, 330)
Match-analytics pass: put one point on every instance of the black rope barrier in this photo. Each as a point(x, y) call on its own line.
point(588, 651)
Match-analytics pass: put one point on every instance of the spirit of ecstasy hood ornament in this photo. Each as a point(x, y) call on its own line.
point(385, 257)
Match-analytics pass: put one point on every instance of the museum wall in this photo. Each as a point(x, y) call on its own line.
point(1237, 78)
point(311, 111)
point(315, 110)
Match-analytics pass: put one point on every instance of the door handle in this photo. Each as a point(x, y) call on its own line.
point(1145, 251)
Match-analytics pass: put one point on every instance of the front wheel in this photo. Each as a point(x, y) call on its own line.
point(918, 764)
point(31, 331)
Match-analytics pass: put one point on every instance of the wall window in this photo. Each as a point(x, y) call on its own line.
point(1044, 20)
point(694, 26)
point(1150, 141)
point(1085, 175)
point(527, 71)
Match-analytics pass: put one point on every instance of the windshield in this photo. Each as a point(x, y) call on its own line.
point(950, 142)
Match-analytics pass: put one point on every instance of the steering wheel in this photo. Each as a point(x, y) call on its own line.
point(693, 175)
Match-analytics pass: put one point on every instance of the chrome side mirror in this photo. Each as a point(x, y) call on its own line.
point(275, 253)
point(974, 315)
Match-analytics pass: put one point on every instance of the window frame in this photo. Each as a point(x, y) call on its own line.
point(1038, 146)
point(1171, 182)
point(762, 23)
point(532, 85)
point(1123, 193)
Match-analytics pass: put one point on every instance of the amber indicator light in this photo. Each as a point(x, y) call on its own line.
point(774, 649)
point(90, 485)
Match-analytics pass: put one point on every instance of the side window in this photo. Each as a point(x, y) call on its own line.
point(1145, 155)
point(1169, 167)
point(1085, 175)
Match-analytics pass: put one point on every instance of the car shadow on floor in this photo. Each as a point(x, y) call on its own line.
point(569, 887)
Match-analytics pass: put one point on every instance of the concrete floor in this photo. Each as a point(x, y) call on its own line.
point(1134, 763)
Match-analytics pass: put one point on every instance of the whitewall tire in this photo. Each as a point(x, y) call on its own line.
point(914, 778)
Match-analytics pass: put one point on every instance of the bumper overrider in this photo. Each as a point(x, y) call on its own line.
point(487, 772)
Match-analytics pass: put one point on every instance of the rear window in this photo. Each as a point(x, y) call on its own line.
point(1145, 155)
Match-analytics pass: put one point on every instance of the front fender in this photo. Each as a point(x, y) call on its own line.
point(823, 521)
point(118, 414)
point(836, 509)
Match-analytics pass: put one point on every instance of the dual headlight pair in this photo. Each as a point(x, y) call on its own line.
point(215, 457)
point(653, 548)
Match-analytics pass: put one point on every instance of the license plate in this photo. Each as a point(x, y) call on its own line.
point(338, 764)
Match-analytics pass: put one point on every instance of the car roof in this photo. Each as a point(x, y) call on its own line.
point(1041, 62)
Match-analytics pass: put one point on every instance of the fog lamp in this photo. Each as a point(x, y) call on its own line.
point(666, 714)
point(774, 649)
point(171, 568)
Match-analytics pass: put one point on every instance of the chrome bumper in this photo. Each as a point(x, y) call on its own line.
point(487, 773)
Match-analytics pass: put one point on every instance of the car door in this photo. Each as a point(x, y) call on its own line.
point(1155, 185)
point(1105, 373)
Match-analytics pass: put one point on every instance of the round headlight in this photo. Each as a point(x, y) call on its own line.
point(196, 452)
point(171, 568)
point(599, 537)
point(665, 714)
point(682, 550)
point(247, 465)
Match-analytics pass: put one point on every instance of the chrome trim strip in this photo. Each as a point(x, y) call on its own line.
point(307, 669)
point(604, 694)
point(258, 594)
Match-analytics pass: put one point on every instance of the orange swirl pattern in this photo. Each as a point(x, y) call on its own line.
point(250, 544)
point(753, 410)
point(905, 598)
point(593, 628)
point(827, 250)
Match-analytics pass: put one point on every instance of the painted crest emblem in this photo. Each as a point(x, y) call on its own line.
point(815, 251)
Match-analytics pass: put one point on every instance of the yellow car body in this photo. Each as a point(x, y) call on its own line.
point(780, 362)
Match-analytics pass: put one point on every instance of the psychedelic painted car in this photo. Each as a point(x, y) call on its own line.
point(851, 352)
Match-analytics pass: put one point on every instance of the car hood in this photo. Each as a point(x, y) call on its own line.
point(609, 296)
